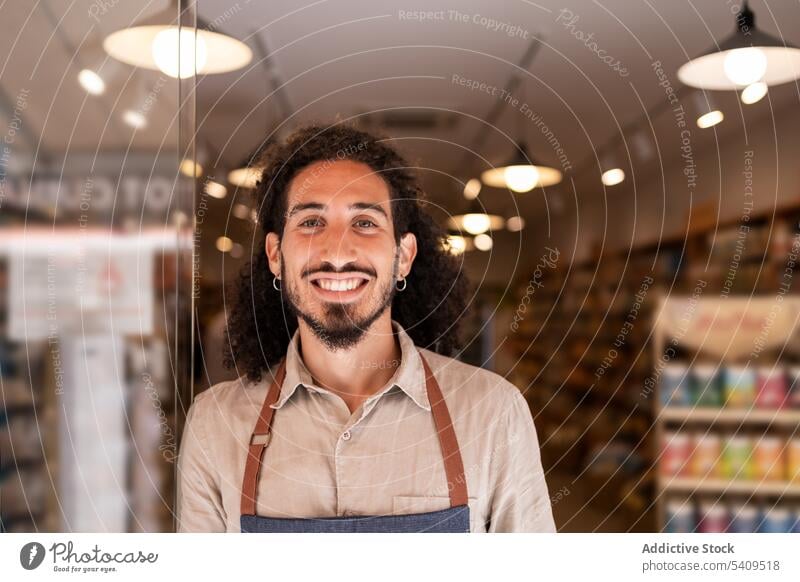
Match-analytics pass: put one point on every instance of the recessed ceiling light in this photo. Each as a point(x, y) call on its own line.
point(134, 118)
point(91, 82)
point(613, 176)
point(216, 190)
point(753, 93)
point(483, 242)
point(224, 244)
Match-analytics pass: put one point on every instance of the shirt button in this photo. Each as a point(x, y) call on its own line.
point(346, 435)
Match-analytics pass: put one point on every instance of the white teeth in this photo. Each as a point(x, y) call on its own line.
point(336, 285)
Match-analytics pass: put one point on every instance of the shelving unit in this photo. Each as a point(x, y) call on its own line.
point(598, 435)
point(717, 333)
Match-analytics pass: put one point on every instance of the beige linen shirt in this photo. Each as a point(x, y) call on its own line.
point(383, 459)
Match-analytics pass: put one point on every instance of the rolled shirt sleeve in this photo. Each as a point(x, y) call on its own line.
point(199, 502)
point(520, 499)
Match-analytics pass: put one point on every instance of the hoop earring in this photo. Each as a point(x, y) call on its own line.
point(405, 284)
point(274, 286)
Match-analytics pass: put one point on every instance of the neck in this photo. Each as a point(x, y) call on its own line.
point(356, 373)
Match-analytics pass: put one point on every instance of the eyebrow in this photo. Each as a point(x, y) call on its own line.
point(318, 206)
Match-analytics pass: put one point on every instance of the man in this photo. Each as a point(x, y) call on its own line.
point(349, 414)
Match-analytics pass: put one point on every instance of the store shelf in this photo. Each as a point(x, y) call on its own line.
point(788, 418)
point(717, 486)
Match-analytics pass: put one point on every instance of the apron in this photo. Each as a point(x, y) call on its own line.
point(451, 520)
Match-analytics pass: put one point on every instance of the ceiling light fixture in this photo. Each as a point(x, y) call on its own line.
point(157, 43)
point(745, 57)
point(522, 173)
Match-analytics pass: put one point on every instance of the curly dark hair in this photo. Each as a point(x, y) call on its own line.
point(259, 327)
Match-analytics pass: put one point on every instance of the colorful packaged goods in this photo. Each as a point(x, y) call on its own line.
point(771, 387)
point(706, 389)
point(768, 461)
point(793, 460)
point(675, 386)
point(793, 399)
point(676, 450)
point(706, 455)
point(744, 519)
point(739, 386)
point(713, 517)
point(680, 517)
point(736, 455)
point(777, 520)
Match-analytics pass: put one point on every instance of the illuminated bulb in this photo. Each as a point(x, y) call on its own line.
point(191, 169)
point(754, 93)
point(515, 224)
point(224, 244)
point(216, 190)
point(476, 223)
point(472, 189)
point(745, 66)
point(521, 178)
point(245, 177)
point(613, 177)
point(91, 82)
point(241, 211)
point(171, 44)
point(483, 242)
point(456, 244)
point(135, 119)
point(710, 119)
point(237, 251)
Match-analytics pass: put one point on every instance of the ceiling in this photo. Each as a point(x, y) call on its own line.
point(331, 59)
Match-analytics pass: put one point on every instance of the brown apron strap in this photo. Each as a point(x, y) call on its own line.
point(451, 454)
point(258, 442)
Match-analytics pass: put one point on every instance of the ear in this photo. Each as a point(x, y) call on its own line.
point(272, 246)
point(408, 252)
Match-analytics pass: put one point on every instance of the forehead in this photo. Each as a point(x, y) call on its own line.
point(338, 182)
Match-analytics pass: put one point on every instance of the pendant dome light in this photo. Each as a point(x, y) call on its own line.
point(475, 220)
point(522, 173)
point(158, 43)
point(747, 56)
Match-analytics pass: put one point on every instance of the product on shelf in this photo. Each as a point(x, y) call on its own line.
point(713, 517)
point(707, 452)
point(768, 458)
point(736, 456)
point(706, 390)
point(685, 516)
point(793, 399)
point(676, 452)
point(739, 386)
point(793, 460)
point(680, 517)
point(675, 386)
point(777, 520)
point(744, 518)
point(771, 387)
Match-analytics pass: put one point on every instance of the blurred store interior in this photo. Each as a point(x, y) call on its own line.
point(635, 269)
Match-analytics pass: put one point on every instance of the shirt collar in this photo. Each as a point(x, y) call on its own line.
point(409, 376)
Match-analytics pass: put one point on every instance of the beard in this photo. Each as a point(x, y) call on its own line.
point(341, 326)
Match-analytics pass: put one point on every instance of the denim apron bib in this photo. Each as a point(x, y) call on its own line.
point(451, 520)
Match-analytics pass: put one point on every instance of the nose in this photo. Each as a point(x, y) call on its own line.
point(337, 246)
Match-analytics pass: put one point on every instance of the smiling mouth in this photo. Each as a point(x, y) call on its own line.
point(339, 285)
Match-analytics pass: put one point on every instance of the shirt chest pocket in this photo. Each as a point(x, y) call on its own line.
point(406, 504)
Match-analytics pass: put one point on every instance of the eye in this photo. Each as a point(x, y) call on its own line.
point(362, 221)
point(307, 220)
